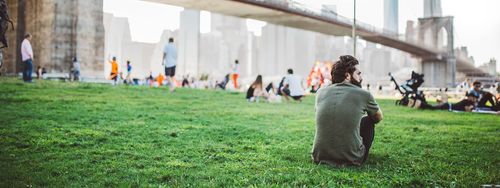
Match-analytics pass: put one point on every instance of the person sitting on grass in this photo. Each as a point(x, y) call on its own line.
point(292, 87)
point(465, 105)
point(150, 79)
point(160, 79)
point(483, 97)
point(345, 118)
point(280, 87)
point(223, 84)
point(256, 90)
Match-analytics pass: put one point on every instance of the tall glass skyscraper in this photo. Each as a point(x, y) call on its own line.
point(391, 15)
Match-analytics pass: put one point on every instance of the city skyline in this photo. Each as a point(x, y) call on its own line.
point(465, 22)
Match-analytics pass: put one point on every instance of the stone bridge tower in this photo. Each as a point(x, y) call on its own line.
point(61, 29)
point(437, 33)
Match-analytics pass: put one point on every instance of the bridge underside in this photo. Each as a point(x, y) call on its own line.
point(281, 14)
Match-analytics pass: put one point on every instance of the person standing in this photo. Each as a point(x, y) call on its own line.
point(235, 71)
point(345, 118)
point(170, 62)
point(128, 78)
point(27, 57)
point(76, 69)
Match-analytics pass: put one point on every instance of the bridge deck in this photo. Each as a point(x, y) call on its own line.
point(288, 14)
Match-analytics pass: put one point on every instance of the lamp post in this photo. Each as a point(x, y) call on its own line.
point(354, 31)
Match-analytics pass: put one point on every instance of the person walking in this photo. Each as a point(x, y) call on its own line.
point(235, 71)
point(170, 62)
point(114, 70)
point(128, 78)
point(27, 58)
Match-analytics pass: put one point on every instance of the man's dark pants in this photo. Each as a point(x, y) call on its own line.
point(28, 70)
point(367, 132)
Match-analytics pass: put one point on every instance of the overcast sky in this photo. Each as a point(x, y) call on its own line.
point(477, 23)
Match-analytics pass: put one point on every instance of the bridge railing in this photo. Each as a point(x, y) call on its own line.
point(305, 9)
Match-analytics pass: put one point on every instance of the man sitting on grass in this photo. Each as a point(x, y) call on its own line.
point(292, 87)
point(345, 117)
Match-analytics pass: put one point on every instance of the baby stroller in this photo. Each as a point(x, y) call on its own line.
point(409, 89)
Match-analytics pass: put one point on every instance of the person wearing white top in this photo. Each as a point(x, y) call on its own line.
point(292, 87)
point(27, 57)
point(170, 62)
point(236, 73)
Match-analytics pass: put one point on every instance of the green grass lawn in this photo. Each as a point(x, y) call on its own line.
point(55, 134)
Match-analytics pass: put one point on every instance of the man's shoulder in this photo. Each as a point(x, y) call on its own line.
point(166, 47)
point(294, 77)
point(351, 89)
point(171, 46)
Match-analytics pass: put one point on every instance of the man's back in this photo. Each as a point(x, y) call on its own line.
point(114, 67)
point(339, 109)
point(295, 85)
point(76, 66)
point(171, 55)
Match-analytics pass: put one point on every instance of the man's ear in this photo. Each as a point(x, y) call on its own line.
point(348, 76)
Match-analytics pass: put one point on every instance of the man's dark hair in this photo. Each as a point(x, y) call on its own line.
point(27, 35)
point(171, 40)
point(290, 71)
point(236, 61)
point(345, 64)
point(476, 83)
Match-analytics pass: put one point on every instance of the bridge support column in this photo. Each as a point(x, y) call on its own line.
point(439, 73)
point(435, 73)
point(61, 30)
point(452, 70)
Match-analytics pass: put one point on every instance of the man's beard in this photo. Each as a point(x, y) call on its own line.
point(354, 82)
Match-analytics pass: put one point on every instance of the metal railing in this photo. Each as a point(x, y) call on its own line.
point(304, 9)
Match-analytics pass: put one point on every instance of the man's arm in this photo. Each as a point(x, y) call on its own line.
point(373, 110)
point(377, 117)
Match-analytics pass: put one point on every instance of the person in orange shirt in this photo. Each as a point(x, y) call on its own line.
point(160, 79)
point(114, 70)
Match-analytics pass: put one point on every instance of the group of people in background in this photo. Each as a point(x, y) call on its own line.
point(169, 63)
point(290, 87)
point(231, 77)
point(319, 76)
point(27, 58)
point(475, 100)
